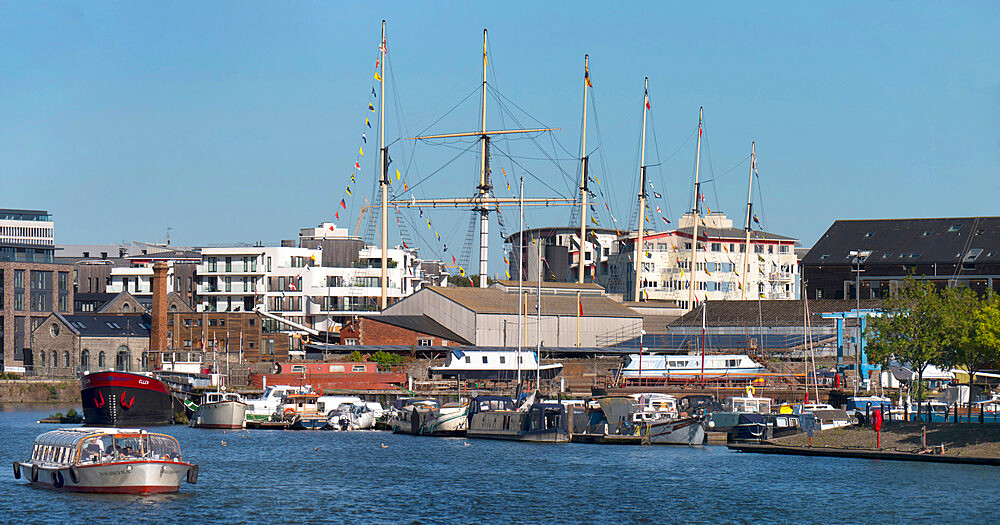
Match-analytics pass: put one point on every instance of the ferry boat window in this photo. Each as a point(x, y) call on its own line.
point(485, 359)
point(468, 359)
point(732, 363)
point(503, 360)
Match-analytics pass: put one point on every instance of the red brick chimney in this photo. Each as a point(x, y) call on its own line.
point(158, 331)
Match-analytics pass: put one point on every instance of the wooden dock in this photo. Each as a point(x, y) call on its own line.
point(862, 453)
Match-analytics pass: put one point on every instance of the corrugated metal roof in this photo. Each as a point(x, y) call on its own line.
point(908, 241)
point(769, 313)
point(494, 301)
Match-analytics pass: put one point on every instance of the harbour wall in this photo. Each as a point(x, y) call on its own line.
point(39, 391)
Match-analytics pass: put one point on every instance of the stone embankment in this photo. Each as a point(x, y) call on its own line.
point(959, 439)
point(39, 391)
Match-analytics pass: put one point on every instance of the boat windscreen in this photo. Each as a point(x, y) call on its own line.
point(617, 410)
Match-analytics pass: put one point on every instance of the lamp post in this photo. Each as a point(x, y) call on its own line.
point(858, 258)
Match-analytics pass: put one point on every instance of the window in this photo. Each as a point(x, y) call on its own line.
point(229, 264)
point(145, 361)
point(783, 248)
point(955, 227)
point(503, 360)
point(358, 368)
point(350, 341)
point(100, 359)
point(41, 358)
point(85, 359)
point(485, 359)
point(213, 264)
point(424, 342)
point(66, 359)
point(468, 359)
point(123, 359)
point(298, 368)
point(716, 247)
point(63, 281)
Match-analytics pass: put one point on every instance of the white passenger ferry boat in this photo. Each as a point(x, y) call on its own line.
point(106, 460)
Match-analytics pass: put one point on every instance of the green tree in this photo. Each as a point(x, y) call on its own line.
point(386, 360)
point(974, 335)
point(913, 329)
point(356, 357)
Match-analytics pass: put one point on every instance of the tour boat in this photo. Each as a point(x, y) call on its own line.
point(546, 422)
point(106, 460)
point(689, 368)
point(220, 410)
point(117, 399)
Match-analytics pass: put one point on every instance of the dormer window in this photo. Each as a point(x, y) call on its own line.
point(955, 227)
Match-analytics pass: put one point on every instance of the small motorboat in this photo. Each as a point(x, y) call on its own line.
point(106, 460)
point(220, 409)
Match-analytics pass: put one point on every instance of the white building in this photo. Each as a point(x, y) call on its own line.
point(666, 264)
point(330, 275)
point(561, 254)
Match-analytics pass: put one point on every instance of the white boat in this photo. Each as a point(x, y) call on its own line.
point(678, 431)
point(353, 416)
point(407, 417)
point(220, 410)
point(689, 367)
point(449, 420)
point(262, 408)
point(496, 365)
point(106, 460)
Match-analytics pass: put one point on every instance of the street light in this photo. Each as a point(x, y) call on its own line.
point(858, 258)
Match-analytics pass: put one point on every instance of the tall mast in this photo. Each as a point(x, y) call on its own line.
point(639, 250)
point(383, 176)
point(520, 279)
point(484, 151)
point(697, 199)
point(746, 225)
point(583, 171)
point(538, 321)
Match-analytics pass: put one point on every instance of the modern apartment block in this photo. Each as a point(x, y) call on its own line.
point(26, 236)
point(29, 292)
point(719, 262)
point(317, 281)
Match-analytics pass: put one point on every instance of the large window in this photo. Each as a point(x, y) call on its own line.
point(85, 359)
point(66, 359)
point(229, 264)
point(213, 264)
point(123, 359)
point(100, 360)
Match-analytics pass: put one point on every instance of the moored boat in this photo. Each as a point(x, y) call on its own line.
point(220, 410)
point(303, 412)
point(451, 419)
point(106, 460)
point(116, 399)
point(262, 408)
point(544, 422)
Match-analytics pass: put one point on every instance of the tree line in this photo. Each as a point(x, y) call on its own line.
point(922, 324)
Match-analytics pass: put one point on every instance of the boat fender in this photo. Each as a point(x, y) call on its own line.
point(17, 471)
point(73, 475)
point(57, 479)
point(34, 473)
point(192, 474)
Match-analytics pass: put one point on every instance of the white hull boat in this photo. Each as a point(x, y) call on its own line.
point(220, 410)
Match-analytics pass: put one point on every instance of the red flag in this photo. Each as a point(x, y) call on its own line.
point(343, 204)
point(453, 260)
point(580, 304)
point(646, 95)
point(405, 188)
point(357, 165)
point(336, 216)
point(404, 245)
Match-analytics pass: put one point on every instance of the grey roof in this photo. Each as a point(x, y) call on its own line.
point(102, 325)
point(734, 233)
point(908, 241)
point(420, 323)
point(495, 301)
point(769, 313)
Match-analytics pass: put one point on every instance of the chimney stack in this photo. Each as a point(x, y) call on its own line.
point(158, 331)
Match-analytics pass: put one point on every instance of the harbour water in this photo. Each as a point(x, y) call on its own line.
point(312, 477)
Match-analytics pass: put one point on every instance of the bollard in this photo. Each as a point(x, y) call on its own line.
point(868, 413)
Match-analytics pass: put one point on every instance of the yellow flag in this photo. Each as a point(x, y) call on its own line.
point(378, 77)
point(397, 174)
point(361, 151)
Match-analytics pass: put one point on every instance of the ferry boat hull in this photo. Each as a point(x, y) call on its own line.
point(120, 399)
point(138, 477)
point(224, 415)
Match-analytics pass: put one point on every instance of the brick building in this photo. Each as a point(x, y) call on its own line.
point(412, 330)
point(219, 331)
point(72, 344)
point(29, 292)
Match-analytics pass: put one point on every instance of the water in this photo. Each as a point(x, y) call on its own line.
point(280, 476)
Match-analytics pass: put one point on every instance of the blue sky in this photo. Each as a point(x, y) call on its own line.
point(240, 121)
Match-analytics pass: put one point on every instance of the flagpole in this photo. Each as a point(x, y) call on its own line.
point(520, 277)
point(694, 235)
point(384, 177)
point(538, 322)
point(639, 249)
point(746, 248)
point(583, 171)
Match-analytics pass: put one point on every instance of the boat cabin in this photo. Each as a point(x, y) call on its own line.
point(218, 397)
point(748, 405)
point(102, 445)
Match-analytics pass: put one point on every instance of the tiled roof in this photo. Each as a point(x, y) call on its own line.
point(908, 241)
point(421, 324)
point(102, 325)
point(494, 301)
point(768, 313)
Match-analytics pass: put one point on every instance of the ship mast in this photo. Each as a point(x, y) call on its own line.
point(583, 171)
point(697, 199)
point(383, 181)
point(484, 187)
point(639, 250)
point(746, 226)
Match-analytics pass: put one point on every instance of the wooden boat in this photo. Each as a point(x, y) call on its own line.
point(106, 460)
point(220, 409)
point(543, 422)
